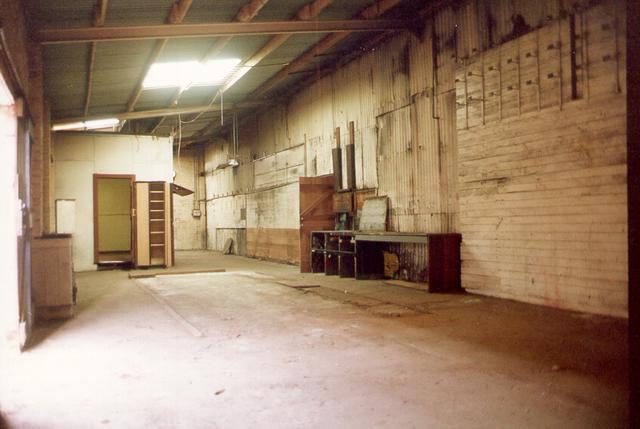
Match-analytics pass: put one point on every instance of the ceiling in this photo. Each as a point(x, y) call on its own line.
point(89, 79)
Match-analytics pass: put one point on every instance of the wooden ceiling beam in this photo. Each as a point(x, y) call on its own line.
point(369, 44)
point(176, 15)
point(307, 12)
point(97, 34)
point(178, 11)
point(245, 14)
point(156, 113)
point(99, 18)
point(366, 15)
point(100, 13)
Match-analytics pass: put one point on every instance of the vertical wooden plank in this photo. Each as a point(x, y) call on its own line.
point(549, 56)
point(528, 59)
point(633, 195)
point(142, 224)
point(168, 225)
point(509, 79)
point(491, 85)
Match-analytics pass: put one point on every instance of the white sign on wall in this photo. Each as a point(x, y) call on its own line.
point(65, 216)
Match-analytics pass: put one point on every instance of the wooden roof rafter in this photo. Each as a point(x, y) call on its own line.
point(178, 11)
point(370, 13)
point(305, 13)
point(245, 14)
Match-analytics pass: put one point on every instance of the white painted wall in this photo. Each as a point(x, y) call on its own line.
point(9, 228)
point(77, 156)
point(189, 232)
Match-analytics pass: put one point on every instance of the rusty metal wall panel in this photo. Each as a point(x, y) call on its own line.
point(446, 22)
point(390, 75)
point(426, 164)
point(449, 217)
point(470, 29)
point(420, 62)
point(395, 168)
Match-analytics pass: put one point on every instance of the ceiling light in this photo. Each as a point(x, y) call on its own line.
point(99, 124)
point(186, 74)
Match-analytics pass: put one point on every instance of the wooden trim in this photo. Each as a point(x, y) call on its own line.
point(96, 238)
point(8, 68)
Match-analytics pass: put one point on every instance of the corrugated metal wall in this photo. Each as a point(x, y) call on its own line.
point(402, 98)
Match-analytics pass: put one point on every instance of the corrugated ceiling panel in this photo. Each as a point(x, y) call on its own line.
point(139, 12)
point(65, 78)
point(70, 13)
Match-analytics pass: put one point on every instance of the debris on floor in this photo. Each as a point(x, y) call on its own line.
point(172, 272)
point(297, 284)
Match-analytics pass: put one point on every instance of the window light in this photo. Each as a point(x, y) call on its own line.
point(98, 124)
point(6, 98)
point(186, 74)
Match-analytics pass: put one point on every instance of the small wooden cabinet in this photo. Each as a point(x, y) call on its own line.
point(52, 276)
point(333, 252)
point(154, 224)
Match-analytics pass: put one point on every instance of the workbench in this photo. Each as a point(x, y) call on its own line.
point(360, 254)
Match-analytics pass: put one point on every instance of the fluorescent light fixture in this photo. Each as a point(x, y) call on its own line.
point(98, 124)
point(186, 74)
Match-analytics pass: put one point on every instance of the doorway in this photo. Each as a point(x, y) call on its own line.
point(112, 219)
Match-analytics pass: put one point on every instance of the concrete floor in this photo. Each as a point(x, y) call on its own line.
point(240, 349)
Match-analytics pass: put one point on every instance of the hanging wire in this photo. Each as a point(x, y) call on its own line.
point(203, 112)
point(221, 108)
point(179, 139)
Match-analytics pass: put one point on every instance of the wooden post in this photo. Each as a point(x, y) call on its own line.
point(633, 205)
point(351, 158)
point(337, 161)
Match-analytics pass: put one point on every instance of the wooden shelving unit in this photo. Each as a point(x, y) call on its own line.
point(333, 252)
point(154, 225)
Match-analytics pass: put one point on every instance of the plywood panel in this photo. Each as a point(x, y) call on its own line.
point(316, 212)
point(276, 244)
